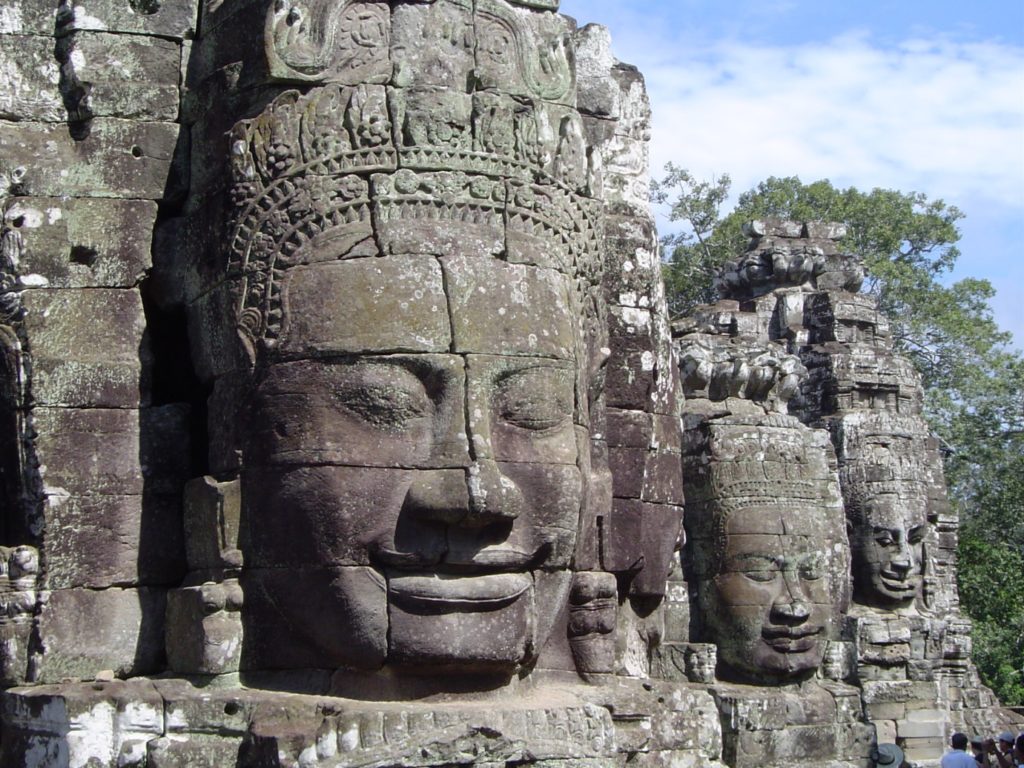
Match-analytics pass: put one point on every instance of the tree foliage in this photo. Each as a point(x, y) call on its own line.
point(974, 383)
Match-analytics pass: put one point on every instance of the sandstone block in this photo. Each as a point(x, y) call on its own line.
point(84, 242)
point(631, 262)
point(31, 75)
point(118, 158)
point(84, 631)
point(627, 466)
point(349, 603)
point(28, 17)
point(212, 511)
point(640, 538)
point(115, 452)
point(200, 750)
point(101, 541)
point(128, 76)
point(419, 34)
point(100, 724)
point(597, 94)
point(165, 18)
point(204, 629)
point(86, 346)
point(538, 62)
point(509, 309)
point(630, 373)
point(629, 429)
point(395, 303)
point(663, 478)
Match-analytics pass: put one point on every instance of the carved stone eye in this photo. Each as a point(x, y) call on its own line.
point(534, 399)
point(885, 538)
point(383, 406)
point(812, 569)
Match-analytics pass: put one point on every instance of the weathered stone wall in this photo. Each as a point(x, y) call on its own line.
point(194, 195)
point(90, 148)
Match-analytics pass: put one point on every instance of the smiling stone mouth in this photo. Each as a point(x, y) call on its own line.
point(792, 640)
point(488, 559)
point(898, 583)
point(446, 591)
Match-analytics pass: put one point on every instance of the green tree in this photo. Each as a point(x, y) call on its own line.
point(974, 383)
point(696, 250)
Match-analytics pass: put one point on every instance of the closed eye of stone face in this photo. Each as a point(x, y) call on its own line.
point(536, 398)
point(385, 396)
point(762, 568)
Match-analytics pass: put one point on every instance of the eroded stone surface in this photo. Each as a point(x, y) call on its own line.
point(334, 360)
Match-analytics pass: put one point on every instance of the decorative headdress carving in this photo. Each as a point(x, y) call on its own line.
point(317, 175)
point(759, 462)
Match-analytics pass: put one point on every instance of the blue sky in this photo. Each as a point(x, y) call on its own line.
point(915, 95)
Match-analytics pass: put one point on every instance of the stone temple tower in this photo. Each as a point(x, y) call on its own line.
point(342, 422)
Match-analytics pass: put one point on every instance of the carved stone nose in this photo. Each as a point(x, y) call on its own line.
point(791, 611)
point(492, 496)
point(439, 495)
point(901, 564)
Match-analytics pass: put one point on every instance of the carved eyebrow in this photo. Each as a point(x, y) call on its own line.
point(753, 557)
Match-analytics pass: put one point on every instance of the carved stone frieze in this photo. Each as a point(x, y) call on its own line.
point(328, 41)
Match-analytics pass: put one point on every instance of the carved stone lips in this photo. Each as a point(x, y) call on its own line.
point(496, 558)
point(443, 592)
point(895, 583)
point(791, 639)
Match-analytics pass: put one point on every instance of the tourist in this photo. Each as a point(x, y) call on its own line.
point(979, 746)
point(1004, 751)
point(958, 757)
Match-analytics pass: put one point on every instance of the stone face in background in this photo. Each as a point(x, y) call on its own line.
point(766, 546)
point(791, 335)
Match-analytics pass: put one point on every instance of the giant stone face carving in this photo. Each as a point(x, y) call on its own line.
point(769, 605)
point(769, 557)
point(432, 493)
point(413, 428)
point(887, 506)
point(888, 548)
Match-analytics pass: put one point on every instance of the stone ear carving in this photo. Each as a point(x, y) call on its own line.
point(329, 41)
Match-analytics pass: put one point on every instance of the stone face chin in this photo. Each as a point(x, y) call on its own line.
point(475, 624)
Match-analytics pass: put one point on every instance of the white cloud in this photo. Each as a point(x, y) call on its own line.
point(934, 113)
point(930, 115)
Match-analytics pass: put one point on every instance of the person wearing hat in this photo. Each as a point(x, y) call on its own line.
point(1004, 751)
point(958, 757)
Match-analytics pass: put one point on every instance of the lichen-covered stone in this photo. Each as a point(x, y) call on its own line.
point(118, 158)
point(100, 369)
point(157, 18)
point(31, 76)
point(125, 76)
point(128, 640)
point(83, 242)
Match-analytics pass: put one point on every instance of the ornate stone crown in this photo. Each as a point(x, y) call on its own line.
point(318, 175)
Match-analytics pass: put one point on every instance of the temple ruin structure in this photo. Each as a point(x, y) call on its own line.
point(342, 422)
